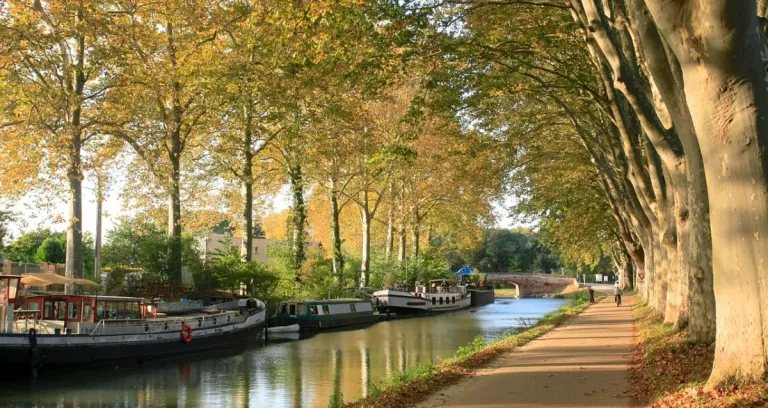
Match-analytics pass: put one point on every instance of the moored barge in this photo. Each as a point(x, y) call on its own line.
point(324, 314)
point(71, 330)
point(436, 297)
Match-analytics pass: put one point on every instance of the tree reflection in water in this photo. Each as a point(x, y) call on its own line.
point(319, 370)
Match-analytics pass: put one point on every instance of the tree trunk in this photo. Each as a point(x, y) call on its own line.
point(246, 245)
point(701, 295)
point(415, 236)
point(401, 244)
point(623, 266)
point(174, 223)
point(74, 254)
point(692, 217)
point(299, 217)
point(719, 49)
point(99, 211)
point(246, 248)
point(337, 256)
point(390, 243)
point(173, 132)
point(365, 245)
point(365, 256)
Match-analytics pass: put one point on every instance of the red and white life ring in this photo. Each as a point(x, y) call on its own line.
point(186, 333)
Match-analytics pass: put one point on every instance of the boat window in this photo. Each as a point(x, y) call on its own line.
point(134, 310)
point(352, 307)
point(60, 309)
point(86, 311)
point(292, 309)
point(441, 300)
point(434, 301)
point(48, 310)
point(326, 310)
point(100, 311)
point(72, 314)
point(302, 309)
point(313, 309)
point(284, 309)
point(111, 310)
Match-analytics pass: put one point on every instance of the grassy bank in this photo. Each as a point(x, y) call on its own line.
point(505, 293)
point(418, 382)
point(669, 371)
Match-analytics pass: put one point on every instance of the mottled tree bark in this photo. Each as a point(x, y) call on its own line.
point(299, 217)
point(99, 227)
point(246, 247)
point(173, 129)
point(719, 46)
point(75, 85)
point(336, 255)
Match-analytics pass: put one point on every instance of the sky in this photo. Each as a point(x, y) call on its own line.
point(35, 215)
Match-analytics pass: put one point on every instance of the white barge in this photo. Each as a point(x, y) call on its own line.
point(436, 297)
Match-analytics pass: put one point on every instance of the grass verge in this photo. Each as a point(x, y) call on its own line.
point(419, 382)
point(669, 371)
point(505, 293)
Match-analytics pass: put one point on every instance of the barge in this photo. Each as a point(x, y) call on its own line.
point(324, 314)
point(436, 297)
point(55, 330)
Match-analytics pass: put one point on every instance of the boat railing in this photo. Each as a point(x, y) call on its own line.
point(142, 326)
point(99, 324)
point(24, 316)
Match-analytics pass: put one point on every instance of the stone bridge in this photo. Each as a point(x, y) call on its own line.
point(528, 284)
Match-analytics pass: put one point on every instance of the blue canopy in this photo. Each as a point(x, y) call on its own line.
point(467, 270)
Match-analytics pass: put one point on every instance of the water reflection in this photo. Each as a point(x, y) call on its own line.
point(318, 371)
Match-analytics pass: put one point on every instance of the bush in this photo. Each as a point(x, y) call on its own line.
point(230, 273)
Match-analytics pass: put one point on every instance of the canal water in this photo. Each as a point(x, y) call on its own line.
point(309, 372)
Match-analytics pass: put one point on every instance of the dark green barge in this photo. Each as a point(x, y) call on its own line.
point(324, 314)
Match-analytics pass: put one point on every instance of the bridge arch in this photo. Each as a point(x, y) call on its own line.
point(528, 284)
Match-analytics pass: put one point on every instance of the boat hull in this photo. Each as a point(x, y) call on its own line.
point(406, 303)
point(327, 324)
point(83, 350)
point(482, 297)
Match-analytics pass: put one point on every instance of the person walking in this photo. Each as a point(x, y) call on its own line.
point(591, 294)
point(617, 295)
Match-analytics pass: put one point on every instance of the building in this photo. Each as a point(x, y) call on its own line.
point(212, 245)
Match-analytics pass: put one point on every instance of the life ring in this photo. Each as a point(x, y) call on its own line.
point(186, 333)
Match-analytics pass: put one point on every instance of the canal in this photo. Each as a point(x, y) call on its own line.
point(309, 372)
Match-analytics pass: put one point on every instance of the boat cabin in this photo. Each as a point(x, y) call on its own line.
point(439, 286)
point(86, 308)
point(308, 308)
point(324, 314)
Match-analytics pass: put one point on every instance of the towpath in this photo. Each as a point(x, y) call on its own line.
point(583, 364)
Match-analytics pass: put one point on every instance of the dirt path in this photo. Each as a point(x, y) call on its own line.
point(582, 364)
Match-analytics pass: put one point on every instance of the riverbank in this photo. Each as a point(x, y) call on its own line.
point(417, 383)
point(669, 371)
point(505, 293)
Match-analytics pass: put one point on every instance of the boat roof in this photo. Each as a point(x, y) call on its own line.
point(341, 300)
point(105, 298)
